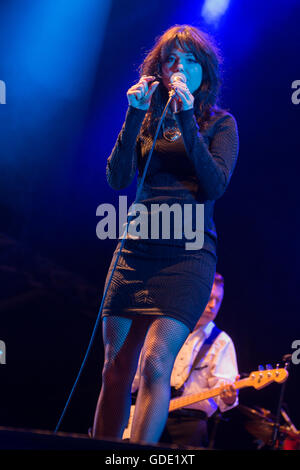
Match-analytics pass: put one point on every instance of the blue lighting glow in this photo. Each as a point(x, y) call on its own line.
point(213, 10)
point(51, 56)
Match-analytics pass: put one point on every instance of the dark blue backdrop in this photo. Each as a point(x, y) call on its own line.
point(66, 71)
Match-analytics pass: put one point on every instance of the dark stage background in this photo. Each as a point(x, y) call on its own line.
point(67, 67)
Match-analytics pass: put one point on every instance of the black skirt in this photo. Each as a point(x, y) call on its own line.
point(159, 280)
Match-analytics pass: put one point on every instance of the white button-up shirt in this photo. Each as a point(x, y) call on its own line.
point(219, 366)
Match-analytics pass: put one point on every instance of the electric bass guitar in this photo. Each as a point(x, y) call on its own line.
point(257, 379)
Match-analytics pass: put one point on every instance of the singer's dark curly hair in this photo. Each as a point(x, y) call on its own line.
point(189, 38)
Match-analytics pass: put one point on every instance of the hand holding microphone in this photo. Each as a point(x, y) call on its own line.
point(183, 98)
point(139, 95)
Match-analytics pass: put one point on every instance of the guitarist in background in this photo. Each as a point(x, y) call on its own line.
point(206, 360)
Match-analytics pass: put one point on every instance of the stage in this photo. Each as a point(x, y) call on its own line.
point(35, 439)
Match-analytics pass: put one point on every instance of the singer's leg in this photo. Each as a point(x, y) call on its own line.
point(123, 339)
point(163, 342)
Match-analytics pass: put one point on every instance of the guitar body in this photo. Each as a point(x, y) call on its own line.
point(257, 379)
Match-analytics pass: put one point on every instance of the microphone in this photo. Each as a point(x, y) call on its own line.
point(176, 77)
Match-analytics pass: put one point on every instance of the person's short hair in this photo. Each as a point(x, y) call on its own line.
point(219, 280)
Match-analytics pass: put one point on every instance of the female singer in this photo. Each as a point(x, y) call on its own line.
point(161, 285)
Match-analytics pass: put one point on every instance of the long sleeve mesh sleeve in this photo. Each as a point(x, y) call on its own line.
point(122, 162)
point(213, 165)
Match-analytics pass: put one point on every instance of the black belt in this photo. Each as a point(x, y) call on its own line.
point(188, 413)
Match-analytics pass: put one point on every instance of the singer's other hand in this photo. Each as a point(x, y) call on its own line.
point(139, 95)
point(184, 98)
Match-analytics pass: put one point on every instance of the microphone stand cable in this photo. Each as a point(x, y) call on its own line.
point(139, 189)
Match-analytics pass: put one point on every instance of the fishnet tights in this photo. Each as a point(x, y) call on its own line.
point(123, 340)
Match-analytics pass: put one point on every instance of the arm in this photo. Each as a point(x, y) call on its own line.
point(218, 366)
point(213, 166)
point(224, 371)
point(122, 162)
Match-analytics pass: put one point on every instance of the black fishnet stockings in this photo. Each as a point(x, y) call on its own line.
point(123, 340)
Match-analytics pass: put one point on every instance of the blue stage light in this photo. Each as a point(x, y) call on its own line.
point(213, 10)
point(51, 55)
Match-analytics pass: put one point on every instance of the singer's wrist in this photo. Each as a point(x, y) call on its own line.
point(185, 114)
point(136, 111)
point(143, 106)
point(177, 107)
point(186, 108)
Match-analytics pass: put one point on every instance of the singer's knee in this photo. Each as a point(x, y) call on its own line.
point(116, 371)
point(155, 366)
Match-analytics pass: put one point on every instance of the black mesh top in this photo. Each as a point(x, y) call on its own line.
point(195, 169)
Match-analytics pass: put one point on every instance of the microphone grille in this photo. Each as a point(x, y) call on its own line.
point(178, 77)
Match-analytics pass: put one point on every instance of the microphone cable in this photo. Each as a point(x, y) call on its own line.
point(139, 189)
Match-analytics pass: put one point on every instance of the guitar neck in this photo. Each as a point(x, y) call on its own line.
point(180, 402)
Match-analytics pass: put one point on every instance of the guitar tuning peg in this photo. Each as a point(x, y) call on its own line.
point(277, 366)
point(269, 366)
point(287, 359)
point(260, 367)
